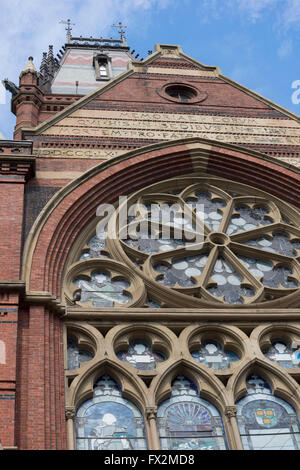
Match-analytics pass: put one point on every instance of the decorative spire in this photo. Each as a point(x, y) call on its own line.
point(50, 61)
point(68, 29)
point(30, 68)
point(121, 32)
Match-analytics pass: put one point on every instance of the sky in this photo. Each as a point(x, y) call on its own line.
point(255, 42)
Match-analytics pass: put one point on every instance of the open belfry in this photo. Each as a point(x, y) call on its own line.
point(150, 256)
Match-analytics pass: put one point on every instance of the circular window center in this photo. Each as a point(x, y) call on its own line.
point(219, 238)
point(181, 93)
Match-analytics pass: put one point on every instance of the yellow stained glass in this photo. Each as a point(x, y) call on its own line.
point(259, 412)
point(269, 412)
point(267, 421)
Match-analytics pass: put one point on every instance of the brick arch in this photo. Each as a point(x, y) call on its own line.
point(73, 207)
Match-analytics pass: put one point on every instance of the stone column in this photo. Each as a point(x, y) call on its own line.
point(154, 437)
point(70, 415)
point(230, 413)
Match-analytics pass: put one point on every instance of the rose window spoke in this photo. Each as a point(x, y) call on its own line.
point(193, 242)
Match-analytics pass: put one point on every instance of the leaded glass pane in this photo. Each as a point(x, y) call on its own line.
point(278, 243)
point(141, 356)
point(276, 277)
point(248, 219)
point(109, 422)
point(229, 283)
point(213, 356)
point(283, 354)
point(266, 422)
point(102, 290)
point(182, 271)
point(75, 355)
point(211, 214)
point(187, 422)
point(163, 234)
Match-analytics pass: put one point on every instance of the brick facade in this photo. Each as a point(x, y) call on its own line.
point(50, 191)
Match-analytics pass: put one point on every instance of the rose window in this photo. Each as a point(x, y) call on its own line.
point(199, 241)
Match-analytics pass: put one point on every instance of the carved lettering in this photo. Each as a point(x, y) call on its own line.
point(163, 126)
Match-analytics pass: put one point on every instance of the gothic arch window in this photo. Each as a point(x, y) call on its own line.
point(102, 67)
point(265, 421)
point(194, 242)
point(108, 421)
point(187, 422)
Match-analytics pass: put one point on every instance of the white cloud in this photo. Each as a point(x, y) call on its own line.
point(29, 26)
point(285, 49)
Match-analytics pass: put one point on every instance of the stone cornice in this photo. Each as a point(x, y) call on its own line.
point(17, 165)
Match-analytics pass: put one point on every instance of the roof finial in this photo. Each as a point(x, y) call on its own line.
point(68, 29)
point(121, 31)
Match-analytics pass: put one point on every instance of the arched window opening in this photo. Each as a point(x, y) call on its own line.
point(265, 421)
point(108, 421)
point(187, 422)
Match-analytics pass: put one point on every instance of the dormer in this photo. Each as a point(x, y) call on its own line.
point(102, 65)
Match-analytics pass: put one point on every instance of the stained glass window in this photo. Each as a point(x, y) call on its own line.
point(141, 356)
point(283, 354)
point(77, 356)
point(213, 356)
point(108, 421)
point(187, 422)
point(198, 238)
point(265, 421)
point(101, 290)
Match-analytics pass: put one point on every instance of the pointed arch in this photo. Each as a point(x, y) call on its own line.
point(282, 384)
point(208, 385)
point(74, 206)
point(82, 386)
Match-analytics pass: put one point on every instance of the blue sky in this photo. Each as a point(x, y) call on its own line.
point(255, 42)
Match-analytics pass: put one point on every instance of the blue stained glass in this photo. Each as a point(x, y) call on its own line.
point(211, 213)
point(265, 421)
point(187, 422)
point(182, 271)
point(278, 243)
point(275, 277)
point(77, 356)
point(152, 303)
point(96, 247)
point(283, 354)
point(213, 356)
point(228, 283)
point(141, 356)
point(248, 219)
point(108, 421)
point(150, 246)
